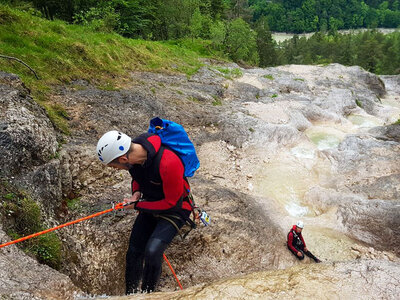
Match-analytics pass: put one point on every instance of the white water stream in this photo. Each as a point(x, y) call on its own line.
point(288, 175)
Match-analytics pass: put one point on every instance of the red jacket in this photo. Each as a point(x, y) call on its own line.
point(161, 179)
point(294, 239)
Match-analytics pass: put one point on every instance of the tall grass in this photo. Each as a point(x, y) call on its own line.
point(61, 52)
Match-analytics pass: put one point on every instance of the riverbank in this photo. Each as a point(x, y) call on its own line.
point(283, 36)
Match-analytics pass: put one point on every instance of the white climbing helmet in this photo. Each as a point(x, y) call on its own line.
point(300, 224)
point(112, 145)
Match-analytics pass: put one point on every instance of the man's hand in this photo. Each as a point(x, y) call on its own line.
point(299, 254)
point(133, 199)
point(196, 217)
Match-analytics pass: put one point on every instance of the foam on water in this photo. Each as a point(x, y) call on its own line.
point(302, 152)
point(365, 121)
point(325, 137)
point(296, 210)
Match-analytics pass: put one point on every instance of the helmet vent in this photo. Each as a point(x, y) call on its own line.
point(119, 136)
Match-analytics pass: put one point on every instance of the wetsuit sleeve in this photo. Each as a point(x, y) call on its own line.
point(171, 172)
point(304, 243)
point(135, 186)
point(290, 242)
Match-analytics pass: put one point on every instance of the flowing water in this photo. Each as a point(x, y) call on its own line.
point(365, 121)
point(286, 177)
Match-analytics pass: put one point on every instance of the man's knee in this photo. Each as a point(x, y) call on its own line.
point(154, 250)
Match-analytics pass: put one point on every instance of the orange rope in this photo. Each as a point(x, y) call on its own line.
point(173, 272)
point(117, 206)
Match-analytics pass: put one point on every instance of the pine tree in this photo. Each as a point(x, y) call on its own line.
point(265, 44)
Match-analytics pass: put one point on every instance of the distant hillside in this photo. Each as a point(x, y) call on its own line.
point(299, 16)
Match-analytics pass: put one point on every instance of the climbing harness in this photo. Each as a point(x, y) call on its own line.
point(198, 214)
point(201, 214)
point(115, 206)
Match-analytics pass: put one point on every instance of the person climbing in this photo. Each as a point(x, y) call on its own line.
point(296, 243)
point(160, 193)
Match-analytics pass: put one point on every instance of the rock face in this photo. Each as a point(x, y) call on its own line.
point(27, 137)
point(24, 278)
point(27, 142)
point(275, 145)
point(339, 281)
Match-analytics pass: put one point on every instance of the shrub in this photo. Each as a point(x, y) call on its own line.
point(22, 217)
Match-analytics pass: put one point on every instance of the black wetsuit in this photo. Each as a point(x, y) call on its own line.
point(165, 193)
point(149, 238)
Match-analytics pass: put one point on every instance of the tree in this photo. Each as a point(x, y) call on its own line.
point(265, 44)
point(296, 21)
point(241, 9)
point(218, 34)
point(275, 13)
point(369, 52)
point(335, 24)
point(175, 16)
point(136, 17)
point(196, 24)
point(217, 9)
point(240, 42)
point(310, 17)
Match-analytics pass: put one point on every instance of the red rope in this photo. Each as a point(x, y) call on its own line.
point(173, 272)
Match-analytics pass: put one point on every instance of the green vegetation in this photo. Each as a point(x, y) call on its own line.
point(359, 104)
point(229, 73)
point(217, 101)
point(193, 99)
point(21, 217)
point(397, 122)
point(372, 50)
point(95, 40)
point(274, 96)
point(321, 15)
point(175, 19)
point(74, 204)
point(172, 35)
point(61, 52)
point(270, 77)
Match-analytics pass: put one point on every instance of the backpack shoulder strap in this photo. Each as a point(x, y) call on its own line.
point(156, 163)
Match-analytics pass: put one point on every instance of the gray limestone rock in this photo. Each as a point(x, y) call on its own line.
point(24, 278)
point(27, 137)
point(265, 110)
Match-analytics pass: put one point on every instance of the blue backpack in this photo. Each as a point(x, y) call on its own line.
point(175, 137)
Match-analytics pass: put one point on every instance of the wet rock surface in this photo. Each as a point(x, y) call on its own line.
point(371, 279)
point(275, 145)
point(21, 277)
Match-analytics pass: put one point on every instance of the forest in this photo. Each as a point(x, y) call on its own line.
point(241, 29)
